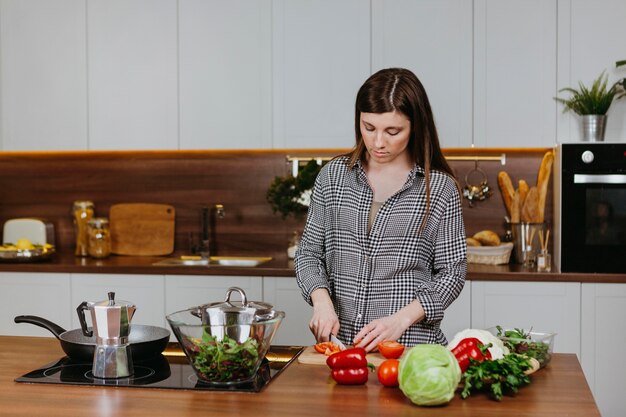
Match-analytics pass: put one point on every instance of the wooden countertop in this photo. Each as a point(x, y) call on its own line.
point(277, 267)
point(304, 390)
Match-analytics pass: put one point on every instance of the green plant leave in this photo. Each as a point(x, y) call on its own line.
point(284, 192)
point(594, 100)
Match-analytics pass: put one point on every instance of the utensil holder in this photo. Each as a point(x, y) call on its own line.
point(526, 242)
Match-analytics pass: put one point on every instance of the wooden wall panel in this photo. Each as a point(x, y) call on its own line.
point(44, 184)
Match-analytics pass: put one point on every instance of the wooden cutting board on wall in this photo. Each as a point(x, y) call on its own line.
point(142, 229)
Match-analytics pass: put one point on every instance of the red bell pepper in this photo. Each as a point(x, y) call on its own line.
point(349, 367)
point(473, 348)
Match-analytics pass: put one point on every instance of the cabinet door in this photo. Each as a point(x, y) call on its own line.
point(458, 315)
point(584, 52)
point(132, 74)
point(225, 74)
point(546, 307)
point(44, 76)
point(602, 357)
point(147, 292)
point(515, 73)
point(35, 294)
point(402, 36)
point(321, 56)
point(285, 295)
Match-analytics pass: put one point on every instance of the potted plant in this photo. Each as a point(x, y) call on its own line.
point(592, 103)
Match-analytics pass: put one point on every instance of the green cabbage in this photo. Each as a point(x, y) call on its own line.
point(429, 374)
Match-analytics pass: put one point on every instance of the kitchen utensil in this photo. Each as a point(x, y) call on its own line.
point(310, 356)
point(338, 342)
point(235, 312)
point(111, 324)
point(226, 342)
point(142, 229)
point(38, 231)
point(145, 341)
point(207, 346)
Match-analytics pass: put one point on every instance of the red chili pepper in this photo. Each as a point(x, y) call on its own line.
point(473, 348)
point(349, 366)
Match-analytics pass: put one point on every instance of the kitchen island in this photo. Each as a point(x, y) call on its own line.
point(303, 390)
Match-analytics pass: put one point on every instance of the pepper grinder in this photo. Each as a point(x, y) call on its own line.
point(111, 324)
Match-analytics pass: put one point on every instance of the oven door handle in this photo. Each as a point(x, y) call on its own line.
point(599, 179)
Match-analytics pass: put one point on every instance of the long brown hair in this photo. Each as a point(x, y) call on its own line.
point(398, 89)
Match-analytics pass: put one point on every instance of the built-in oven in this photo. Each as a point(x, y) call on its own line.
point(590, 207)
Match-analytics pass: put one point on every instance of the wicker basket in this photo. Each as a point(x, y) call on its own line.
point(490, 255)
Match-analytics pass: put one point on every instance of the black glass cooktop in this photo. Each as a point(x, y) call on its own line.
point(168, 371)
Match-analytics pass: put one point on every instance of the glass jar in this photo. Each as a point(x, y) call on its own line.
point(99, 237)
point(82, 212)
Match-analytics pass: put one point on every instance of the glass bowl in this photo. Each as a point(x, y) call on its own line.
point(226, 354)
point(536, 345)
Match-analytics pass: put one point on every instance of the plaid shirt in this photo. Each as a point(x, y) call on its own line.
point(375, 274)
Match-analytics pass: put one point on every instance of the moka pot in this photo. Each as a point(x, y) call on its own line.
point(111, 325)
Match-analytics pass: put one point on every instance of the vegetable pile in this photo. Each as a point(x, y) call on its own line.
point(225, 360)
point(350, 366)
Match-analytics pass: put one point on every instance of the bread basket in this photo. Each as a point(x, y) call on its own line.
point(490, 255)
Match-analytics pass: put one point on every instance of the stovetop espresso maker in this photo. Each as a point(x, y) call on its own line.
point(111, 324)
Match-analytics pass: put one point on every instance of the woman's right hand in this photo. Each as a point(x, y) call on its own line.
point(324, 320)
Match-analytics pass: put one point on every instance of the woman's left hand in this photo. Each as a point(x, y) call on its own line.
point(388, 328)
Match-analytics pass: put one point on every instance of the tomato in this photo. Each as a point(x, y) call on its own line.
point(391, 349)
point(327, 348)
point(388, 373)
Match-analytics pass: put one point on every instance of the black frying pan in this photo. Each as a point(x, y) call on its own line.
point(145, 341)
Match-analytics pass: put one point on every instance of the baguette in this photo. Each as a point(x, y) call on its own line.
point(530, 210)
point(507, 190)
point(543, 178)
point(515, 208)
point(523, 191)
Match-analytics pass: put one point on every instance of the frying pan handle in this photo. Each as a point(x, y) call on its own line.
point(81, 317)
point(54, 328)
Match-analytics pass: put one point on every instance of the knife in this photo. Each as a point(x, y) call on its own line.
point(334, 339)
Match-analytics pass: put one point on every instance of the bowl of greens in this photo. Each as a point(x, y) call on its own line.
point(224, 354)
point(533, 344)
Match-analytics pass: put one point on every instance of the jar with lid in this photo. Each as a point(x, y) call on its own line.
point(82, 212)
point(99, 237)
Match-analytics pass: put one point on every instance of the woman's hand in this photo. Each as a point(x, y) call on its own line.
point(390, 327)
point(324, 320)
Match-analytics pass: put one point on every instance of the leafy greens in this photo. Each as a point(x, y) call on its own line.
point(226, 360)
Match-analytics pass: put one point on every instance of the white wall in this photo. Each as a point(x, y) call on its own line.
point(253, 74)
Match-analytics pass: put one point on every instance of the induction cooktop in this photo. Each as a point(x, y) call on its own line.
point(170, 370)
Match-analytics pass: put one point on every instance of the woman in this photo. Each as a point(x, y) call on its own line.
point(383, 253)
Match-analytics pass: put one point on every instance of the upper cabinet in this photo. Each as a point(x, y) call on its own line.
point(132, 74)
point(321, 56)
point(591, 39)
point(515, 66)
point(402, 36)
point(225, 76)
point(43, 77)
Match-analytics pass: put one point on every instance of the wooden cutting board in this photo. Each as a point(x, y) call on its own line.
point(310, 356)
point(142, 229)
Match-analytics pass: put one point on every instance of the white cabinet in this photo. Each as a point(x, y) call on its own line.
point(34, 294)
point(604, 337)
point(544, 306)
point(225, 74)
point(515, 65)
point(402, 36)
point(132, 74)
point(43, 77)
point(285, 295)
point(458, 315)
point(147, 292)
point(584, 52)
point(321, 56)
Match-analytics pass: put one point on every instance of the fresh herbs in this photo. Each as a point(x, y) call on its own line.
point(519, 341)
point(290, 195)
point(499, 376)
point(225, 360)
